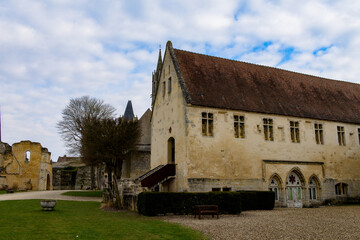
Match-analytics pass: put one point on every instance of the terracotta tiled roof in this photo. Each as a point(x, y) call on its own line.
point(221, 83)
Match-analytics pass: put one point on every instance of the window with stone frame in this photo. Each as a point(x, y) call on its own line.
point(207, 123)
point(312, 189)
point(319, 135)
point(268, 129)
point(239, 126)
point(341, 135)
point(294, 131)
point(274, 186)
point(341, 189)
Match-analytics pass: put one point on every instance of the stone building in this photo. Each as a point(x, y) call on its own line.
point(73, 173)
point(228, 125)
point(139, 162)
point(25, 165)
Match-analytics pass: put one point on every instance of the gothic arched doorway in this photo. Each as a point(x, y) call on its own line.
point(171, 150)
point(48, 187)
point(294, 185)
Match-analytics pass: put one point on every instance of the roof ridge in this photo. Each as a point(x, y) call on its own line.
point(275, 68)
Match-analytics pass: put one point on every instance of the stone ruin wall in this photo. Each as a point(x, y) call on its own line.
point(25, 166)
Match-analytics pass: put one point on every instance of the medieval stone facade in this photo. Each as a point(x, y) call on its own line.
point(25, 165)
point(229, 126)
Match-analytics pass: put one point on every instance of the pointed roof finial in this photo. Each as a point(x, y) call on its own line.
point(129, 113)
point(159, 59)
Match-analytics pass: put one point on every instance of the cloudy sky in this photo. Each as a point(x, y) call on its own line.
point(52, 51)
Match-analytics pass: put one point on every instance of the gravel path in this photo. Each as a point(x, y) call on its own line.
point(46, 195)
point(282, 223)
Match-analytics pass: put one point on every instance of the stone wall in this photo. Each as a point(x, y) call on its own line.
point(249, 163)
point(25, 166)
point(77, 178)
point(130, 191)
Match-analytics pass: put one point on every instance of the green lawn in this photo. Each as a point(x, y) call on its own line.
point(2, 192)
point(84, 193)
point(24, 219)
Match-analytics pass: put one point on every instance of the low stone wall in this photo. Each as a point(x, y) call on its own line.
point(130, 191)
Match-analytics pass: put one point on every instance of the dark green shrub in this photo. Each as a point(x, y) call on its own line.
point(153, 203)
point(257, 200)
point(248, 200)
point(266, 200)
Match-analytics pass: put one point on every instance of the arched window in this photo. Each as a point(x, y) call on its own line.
point(341, 189)
point(274, 186)
point(312, 189)
point(171, 150)
point(27, 156)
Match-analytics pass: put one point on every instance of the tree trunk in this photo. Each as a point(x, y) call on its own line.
point(109, 171)
point(118, 199)
point(118, 196)
point(100, 182)
point(93, 186)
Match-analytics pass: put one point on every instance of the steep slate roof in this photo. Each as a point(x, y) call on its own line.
point(129, 113)
point(221, 83)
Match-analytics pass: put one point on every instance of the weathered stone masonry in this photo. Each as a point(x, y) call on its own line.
point(25, 166)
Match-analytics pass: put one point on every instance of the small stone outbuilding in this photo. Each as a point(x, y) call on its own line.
point(71, 173)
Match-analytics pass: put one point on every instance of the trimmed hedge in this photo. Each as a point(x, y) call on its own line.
point(257, 200)
point(154, 203)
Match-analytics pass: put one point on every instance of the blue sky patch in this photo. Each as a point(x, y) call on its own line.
point(323, 50)
point(287, 54)
point(262, 47)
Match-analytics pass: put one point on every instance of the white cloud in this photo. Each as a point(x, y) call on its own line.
point(52, 51)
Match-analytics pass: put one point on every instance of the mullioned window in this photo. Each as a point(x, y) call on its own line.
point(207, 124)
point(239, 126)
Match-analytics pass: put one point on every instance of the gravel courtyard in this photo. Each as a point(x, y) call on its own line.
point(282, 223)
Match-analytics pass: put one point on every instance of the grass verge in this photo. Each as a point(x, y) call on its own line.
point(24, 219)
point(3, 192)
point(84, 193)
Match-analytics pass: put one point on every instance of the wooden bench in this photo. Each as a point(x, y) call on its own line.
point(206, 210)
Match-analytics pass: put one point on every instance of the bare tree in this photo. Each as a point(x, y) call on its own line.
point(110, 141)
point(75, 114)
